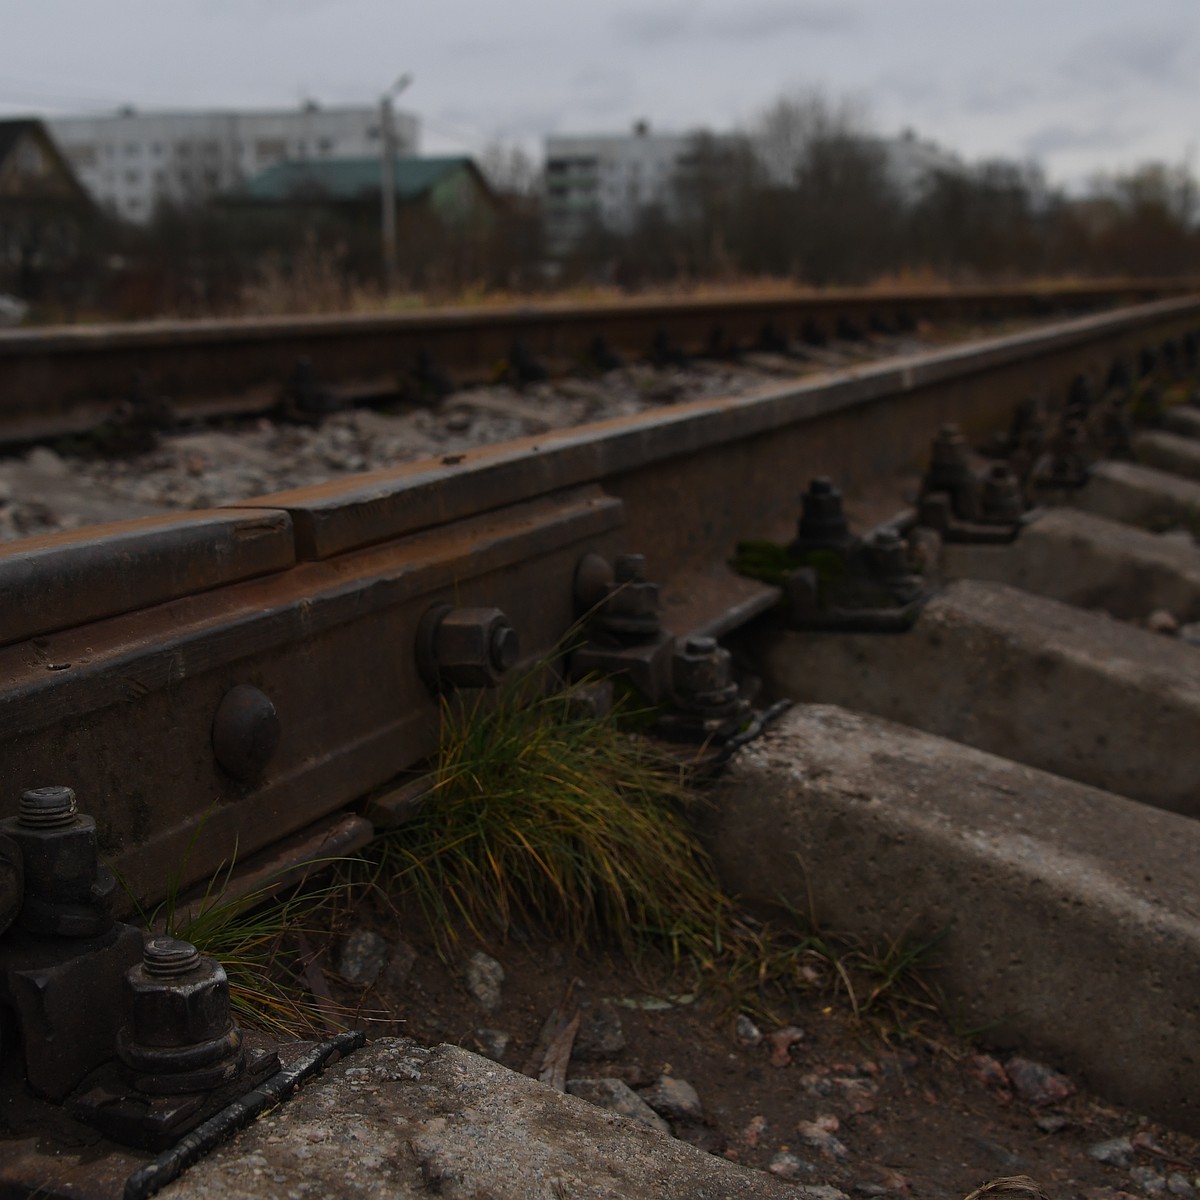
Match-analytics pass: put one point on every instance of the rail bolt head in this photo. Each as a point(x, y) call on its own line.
point(822, 523)
point(466, 647)
point(950, 451)
point(593, 581)
point(245, 732)
point(47, 807)
point(629, 568)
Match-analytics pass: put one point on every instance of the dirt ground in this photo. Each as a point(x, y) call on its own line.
point(893, 1104)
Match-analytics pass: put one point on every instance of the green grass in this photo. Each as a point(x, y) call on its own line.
point(546, 819)
point(548, 822)
point(252, 937)
point(772, 563)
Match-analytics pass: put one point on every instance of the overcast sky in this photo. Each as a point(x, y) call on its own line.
point(1081, 85)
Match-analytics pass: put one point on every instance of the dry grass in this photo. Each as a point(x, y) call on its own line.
point(253, 937)
point(545, 819)
point(542, 820)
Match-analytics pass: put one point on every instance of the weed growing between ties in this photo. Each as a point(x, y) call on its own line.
point(544, 820)
point(258, 937)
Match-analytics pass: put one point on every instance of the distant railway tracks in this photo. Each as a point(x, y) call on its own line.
point(71, 379)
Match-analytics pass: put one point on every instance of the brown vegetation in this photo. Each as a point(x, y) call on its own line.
point(805, 195)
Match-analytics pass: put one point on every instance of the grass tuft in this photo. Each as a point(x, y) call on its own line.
point(253, 936)
point(543, 818)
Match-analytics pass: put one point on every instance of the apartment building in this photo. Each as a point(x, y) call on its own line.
point(130, 161)
point(607, 179)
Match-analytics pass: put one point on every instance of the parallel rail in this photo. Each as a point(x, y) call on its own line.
point(66, 380)
point(118, 644)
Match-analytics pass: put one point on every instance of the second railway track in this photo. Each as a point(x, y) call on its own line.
point(66, 380)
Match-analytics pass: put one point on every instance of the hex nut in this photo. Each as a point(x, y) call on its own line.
point(66, 892)
point(12, 885)
point(466, 647)
point(702, 670)
point(181, 1035)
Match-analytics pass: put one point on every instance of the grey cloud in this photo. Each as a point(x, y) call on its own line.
point(989, 95)
point(1054, 139)
point(752, 20)
point(770, 19)
point(1133, 56)
point(666, 24)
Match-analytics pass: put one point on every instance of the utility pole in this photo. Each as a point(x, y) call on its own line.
point(387, 183)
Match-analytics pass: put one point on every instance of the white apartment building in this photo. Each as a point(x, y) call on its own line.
point(607, 179)
point(131, 160)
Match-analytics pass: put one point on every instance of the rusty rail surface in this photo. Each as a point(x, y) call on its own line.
point(69, 379)
point(256, 668)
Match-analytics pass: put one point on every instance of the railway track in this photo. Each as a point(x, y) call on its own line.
point(260, 668)
point(61, 381)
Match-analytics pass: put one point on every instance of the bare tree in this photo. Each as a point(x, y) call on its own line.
point(510, 168)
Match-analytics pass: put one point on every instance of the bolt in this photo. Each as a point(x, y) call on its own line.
point(245, 732)
point(1001, 502)
point(164, 957)
point(1118, 376)
point(1191, 349)
point(950, 471)
point(465, 647)
point(181, 1036)
point(1079, 396)
point(47, 807)
point(630, 607)
point(629, 568)
point(1171, 356)
point(950, 463)
point(823, 524)
point(67, 893)
point(702, 673)
point(505, 647)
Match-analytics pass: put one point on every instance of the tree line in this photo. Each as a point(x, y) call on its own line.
point(805, 194)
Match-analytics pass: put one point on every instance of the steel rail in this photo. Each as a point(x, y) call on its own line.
point(68, 379)
point(119, 644)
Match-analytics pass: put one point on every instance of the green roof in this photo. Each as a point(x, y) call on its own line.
point(350, 178)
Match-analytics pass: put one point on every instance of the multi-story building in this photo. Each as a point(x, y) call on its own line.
point(130, 161)
point(607, 179)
